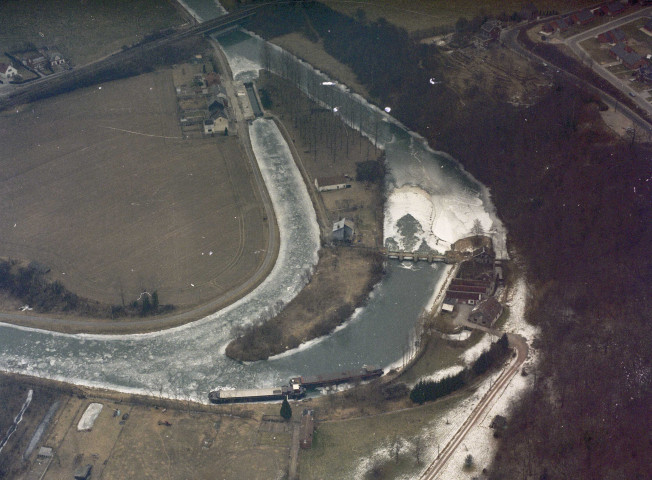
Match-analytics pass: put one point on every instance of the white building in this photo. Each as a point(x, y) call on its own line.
point(7, 72)
point(325, 184)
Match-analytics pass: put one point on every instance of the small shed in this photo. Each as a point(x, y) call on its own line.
point(84, 472)
point(307, 428)
point(325, 184)
point(486, 312)
point(45, 452)
point(343, 230)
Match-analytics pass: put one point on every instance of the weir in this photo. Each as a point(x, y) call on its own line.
point(417, 256)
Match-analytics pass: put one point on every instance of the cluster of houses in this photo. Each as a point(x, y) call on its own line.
point(475, 285)
point(39, 61)
point(583, 17)
point(43, 61)
point(203, 105)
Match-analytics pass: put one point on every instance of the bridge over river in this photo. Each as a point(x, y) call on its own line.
point(420, 256)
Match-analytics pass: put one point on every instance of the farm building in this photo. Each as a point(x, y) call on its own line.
point(216, 125)
point(489, 32)
point(34, 59)
point(87, 420)
point(629, 57)
point(486, 313)
point(325, 184)
point(7, 72)
point(343, 230)
point(307, 428)
point(55, 57)
point(562, 24)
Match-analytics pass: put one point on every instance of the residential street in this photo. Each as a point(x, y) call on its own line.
point(574, 44)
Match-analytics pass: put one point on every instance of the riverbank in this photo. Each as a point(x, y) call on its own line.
point(341, 283)
point(344, 276)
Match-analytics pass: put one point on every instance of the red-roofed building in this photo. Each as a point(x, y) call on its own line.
point(629, 57)
point(613, 8)
point(612, 36)
point(582, 17)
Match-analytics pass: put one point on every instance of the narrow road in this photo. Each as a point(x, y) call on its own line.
point(515, 341)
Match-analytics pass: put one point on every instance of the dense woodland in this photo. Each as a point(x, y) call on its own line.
point(576, 202)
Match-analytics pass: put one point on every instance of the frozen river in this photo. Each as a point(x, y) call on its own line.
point(186, 362)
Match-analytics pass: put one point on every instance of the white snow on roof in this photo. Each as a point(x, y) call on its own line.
point(88, 418)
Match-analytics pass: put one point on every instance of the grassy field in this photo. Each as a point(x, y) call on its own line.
point(83, 30)
point(598, 51)
point(338, 447)
point(100, 186)
point(415, 15)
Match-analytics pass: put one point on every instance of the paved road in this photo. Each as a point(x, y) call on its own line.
point(510, 40)
point(494, 392)
point(574, 44)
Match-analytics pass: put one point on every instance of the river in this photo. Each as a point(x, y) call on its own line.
point(188, 361)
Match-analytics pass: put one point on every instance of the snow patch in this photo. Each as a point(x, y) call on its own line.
point(87, 420)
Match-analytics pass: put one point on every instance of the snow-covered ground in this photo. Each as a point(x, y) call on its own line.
point(415, 218)
point(479, 442)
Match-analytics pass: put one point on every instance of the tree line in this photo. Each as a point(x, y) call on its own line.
point(429, 390)
point(30, 285)
point(575, 200)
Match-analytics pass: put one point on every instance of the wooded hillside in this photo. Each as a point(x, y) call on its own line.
point(576, 202)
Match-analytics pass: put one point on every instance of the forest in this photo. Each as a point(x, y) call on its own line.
point(576, 201)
